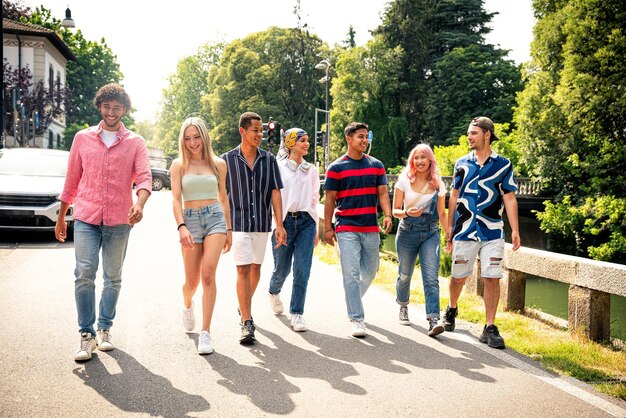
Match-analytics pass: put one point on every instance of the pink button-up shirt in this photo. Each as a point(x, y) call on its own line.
point(99, 180)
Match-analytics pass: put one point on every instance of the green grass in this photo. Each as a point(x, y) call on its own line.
point(602, 366)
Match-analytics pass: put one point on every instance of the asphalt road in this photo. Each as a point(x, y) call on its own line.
point(324, 372)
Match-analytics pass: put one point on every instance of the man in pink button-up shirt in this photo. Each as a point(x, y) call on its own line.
point(105, 161)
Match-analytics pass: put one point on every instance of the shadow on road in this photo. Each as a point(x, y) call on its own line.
point(386, 355)
point(267, 389)
point(136, 389)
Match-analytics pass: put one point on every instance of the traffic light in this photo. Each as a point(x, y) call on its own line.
point(319, 138)
point(271, 131)
point(264, 131)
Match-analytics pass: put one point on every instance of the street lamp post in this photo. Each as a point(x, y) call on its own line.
point(325, 65)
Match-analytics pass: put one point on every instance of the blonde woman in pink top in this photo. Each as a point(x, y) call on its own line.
point(104, 162)
point(202, 216)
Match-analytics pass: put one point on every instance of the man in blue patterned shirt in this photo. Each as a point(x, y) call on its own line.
point(483, 183)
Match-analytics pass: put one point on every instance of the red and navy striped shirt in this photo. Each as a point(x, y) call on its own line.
point(356, 183)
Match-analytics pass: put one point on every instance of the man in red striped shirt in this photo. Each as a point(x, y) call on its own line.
point(355, 185)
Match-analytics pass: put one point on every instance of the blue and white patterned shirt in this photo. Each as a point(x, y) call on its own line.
point(250, 191)
point(478, 212)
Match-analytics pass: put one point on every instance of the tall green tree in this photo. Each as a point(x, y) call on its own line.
point(426, 30)
point(271, 73)
point(572, 113)
point(468, 82)
point(367, 77)
point(572, 123)
point(95, 66)
point(183, 97)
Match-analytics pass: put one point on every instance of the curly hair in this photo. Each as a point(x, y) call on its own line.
point(111, 91)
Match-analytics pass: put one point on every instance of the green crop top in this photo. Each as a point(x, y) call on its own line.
point(199, 187)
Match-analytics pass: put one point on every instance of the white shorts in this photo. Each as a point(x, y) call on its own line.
point(491, 257)
point(249, 247)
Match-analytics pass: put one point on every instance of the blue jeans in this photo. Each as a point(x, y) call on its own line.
point(88, 240)
point(300, 239)
point(358, 253)
point(421, 238)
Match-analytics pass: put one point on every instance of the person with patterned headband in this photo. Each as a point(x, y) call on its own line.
point(483, 183)
point(300, 196)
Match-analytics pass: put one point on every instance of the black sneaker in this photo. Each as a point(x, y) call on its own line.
point(241, 319)
point(492, 337)
point(448, 318)
point(435, 327)
point(247, 332)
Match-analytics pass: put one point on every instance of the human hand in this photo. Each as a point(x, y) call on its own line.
point(135, 214)
point(515, 240)
point(185, 238)
point(228, 243)
point(330, 237)
point(414, 212)
point(387, 224)
point(60, 230)
point(281, 236)
point(317, 239)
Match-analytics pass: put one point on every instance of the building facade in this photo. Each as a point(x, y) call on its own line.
point(43, 52)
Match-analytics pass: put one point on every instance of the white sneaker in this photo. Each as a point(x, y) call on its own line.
point(189, 319)
point(297, 323)
point(204, 343)
point(277, 305)
point(359, 329)
point(104, 340)
point(87, 345)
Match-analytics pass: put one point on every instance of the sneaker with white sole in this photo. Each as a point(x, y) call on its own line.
point(204, 343)
point(103, 340)
point(358, 328)
point(189, 319)
point(435, 327)
point(297, 323)
point(87, 345)
point(277, 305)
point(403, 318)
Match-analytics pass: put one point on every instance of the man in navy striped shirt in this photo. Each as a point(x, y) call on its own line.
point(355, 184)
point(253, 184)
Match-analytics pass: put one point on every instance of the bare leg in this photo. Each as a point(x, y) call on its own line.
point(491, 296)
point(210, 257)
point(455, 287)
point(244, 290)
point(191, 259)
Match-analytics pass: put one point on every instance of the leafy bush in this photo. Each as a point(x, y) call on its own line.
point(594, 227)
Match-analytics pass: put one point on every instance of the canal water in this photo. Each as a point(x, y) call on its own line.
point(546, 295)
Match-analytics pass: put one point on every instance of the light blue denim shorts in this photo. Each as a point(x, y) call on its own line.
point(205, 221)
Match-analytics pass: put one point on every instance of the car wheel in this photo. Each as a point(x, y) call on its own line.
point(157, 184)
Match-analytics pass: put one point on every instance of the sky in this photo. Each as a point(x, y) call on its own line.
point(149, 37)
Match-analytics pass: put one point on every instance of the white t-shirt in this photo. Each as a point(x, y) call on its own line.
point(300, 192)
point(416, 199)
point(108, 137)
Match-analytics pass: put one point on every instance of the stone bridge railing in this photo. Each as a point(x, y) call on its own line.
point(591, 284)
point(526, 187)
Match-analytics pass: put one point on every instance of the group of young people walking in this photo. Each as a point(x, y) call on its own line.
point(236, 201)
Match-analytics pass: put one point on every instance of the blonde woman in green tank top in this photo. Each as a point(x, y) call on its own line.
point(202, 216)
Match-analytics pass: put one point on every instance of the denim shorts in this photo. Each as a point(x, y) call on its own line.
point(491, 254)
point(205, 221)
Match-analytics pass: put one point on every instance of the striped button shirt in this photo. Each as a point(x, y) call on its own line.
point(356, 183)
point(250, 190)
